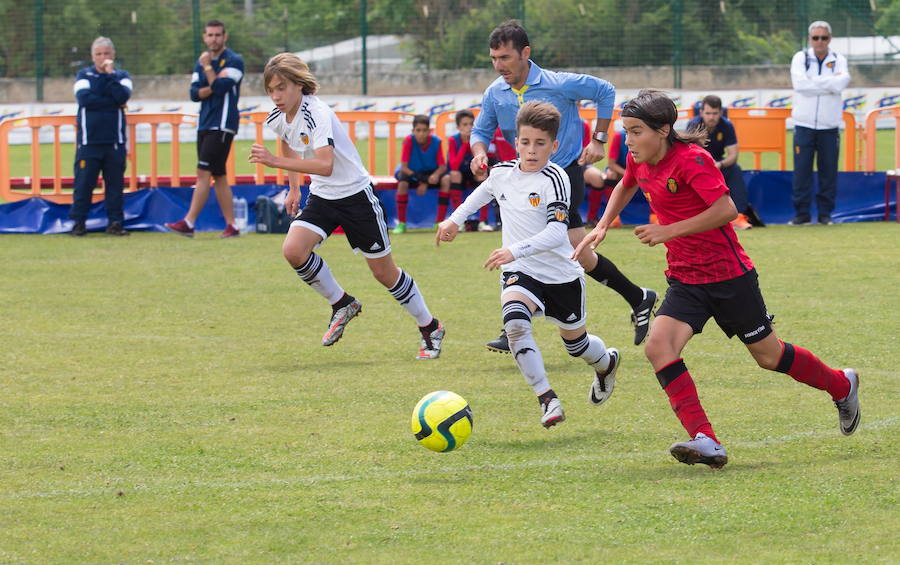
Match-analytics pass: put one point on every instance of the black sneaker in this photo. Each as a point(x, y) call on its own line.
point(499, 345)
point(640, 316)
point(79, 229)
point(115, 228)
point(800, 221)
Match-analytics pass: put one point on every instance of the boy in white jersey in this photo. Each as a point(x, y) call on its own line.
point(539, 277)
point(314, 143)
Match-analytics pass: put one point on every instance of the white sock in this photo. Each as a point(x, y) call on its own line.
point(526, 353)
point(406, 292)
point(189, 223)
point(315, 273)
point(590, 348)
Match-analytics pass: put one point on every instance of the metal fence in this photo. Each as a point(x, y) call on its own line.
point(44, 38)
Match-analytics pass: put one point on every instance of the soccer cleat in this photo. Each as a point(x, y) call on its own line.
point(753, 217)
point(701, 449)
point(553, 413)
point(400, 228)
point(339, 320)
point(181, 228)
point(79, 229)
point(603, 383)
point(799, 221)
point(826, 220)
point(484, 226)
point(741, 223)
point(430, 346)
point(848, 408)
point(640, 316)
point(499, 345)
point(115, 228)
point(229, 231)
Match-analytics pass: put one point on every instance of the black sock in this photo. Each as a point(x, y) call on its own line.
point(546, 397)
point(433, 325)
point(345, 300)
point(606, 273)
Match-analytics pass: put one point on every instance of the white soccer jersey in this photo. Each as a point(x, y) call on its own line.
point(529, 203)
point(315, 125)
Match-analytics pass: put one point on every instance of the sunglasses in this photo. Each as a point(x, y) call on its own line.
point(820, 37)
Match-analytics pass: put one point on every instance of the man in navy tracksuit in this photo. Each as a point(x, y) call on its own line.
point(216, 84)
point(102, 92)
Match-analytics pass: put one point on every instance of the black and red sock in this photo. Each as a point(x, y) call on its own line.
point(679, 386)
point(805, 367)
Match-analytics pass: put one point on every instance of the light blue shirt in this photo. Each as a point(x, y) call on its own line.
point(500, 105)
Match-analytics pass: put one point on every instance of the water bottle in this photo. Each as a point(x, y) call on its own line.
point(240, 215)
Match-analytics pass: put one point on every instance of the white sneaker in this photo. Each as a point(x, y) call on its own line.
point(848, 408)
point(603, 383)
point(701, 449)
point(430, 346)
point(339, 320)
point(553, 413)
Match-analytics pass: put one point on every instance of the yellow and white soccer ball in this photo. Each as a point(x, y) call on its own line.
point(442, 421)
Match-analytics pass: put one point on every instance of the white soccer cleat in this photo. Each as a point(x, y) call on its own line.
point(553, 413)
point(430, 345)
point(603, 383)
point(339, 320)
point(848, 408)
point(701, 449)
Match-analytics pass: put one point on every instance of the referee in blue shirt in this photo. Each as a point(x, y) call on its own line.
point(521, 81)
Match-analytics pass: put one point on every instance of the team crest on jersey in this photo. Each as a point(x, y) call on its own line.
point(671, 185)
point(719, 136)
point(222, 62)
point(561, 214)
point(698, 159)
point(535, 199)
point(830, 65)
point(304, 138)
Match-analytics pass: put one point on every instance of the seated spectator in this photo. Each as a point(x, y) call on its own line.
point(459, 176)
point(723, 146)
point(599, 184)
point(421, 165)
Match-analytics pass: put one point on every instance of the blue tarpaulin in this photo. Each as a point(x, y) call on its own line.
point(860, 198)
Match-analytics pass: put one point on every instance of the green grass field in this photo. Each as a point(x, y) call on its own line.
point(20, 157)
point(167, 400)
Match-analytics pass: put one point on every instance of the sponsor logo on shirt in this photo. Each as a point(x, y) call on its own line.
point(502, 196)
point(535, 199)
point(671, 185)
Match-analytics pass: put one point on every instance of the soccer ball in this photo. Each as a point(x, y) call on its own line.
point(442, 421)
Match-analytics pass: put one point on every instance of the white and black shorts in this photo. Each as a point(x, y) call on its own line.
point(361, 216)
point(563, 304)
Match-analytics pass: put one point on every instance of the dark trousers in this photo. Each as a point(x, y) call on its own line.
point(90, 160)
point(825, 145)
point(734, 179)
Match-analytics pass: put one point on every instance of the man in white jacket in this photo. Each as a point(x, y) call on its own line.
point(818, 75)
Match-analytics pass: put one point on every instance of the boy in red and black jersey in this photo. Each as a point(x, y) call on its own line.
point(709, 274)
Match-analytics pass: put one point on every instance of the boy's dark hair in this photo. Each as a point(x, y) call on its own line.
point(539, 115)
point(215, 23)
point(464, 114)
point(421, 119)
point(656, 109)
point(712, 101)
point(510, 31)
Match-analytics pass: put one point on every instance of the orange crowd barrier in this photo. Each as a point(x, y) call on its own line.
point(370, 120)
point(871, 134)
point(759, 130)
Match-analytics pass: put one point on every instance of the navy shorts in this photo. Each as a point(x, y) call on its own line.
point(736, 304)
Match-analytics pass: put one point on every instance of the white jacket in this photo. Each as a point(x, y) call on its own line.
point(817, 89)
